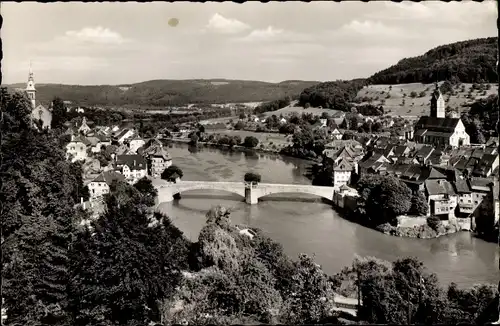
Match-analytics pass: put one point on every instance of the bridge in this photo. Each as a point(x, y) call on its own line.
point(250, 192)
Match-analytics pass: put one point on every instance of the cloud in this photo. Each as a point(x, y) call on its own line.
point(221, 24)
point(97, 34)
point(369, 27)
point(263, 34)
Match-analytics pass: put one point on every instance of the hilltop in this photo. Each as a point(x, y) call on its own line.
point(160, 93)
point(472, 61)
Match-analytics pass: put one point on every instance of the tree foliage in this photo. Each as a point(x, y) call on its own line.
point(172, 173)
point(471, 61)
point(383, 198)
point(336, 95)
point(137, 255)
point(252, 177)
point(250, 142)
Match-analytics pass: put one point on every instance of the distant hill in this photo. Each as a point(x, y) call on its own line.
point(472, 61)
point(158, 93)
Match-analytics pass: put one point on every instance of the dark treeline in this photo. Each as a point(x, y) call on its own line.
point(471, 61)
point(337, 95)
point(481, 119)
point(273, 105)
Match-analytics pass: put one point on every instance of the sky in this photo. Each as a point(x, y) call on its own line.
point(120, 43)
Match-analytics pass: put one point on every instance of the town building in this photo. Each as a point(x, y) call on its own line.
point(77, 148)
point(133, 167)
point(84, 127)
point(100, 185)
point(337, 144)
point(123, 135)
point(437, 129)
point(158, 159)
point(40, 112)
point(442, 198)
point(135, 143)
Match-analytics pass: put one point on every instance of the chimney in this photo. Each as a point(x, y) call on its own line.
point(81, 200)
point(134, 162)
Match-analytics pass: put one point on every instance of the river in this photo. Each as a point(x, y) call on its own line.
point(305, 224)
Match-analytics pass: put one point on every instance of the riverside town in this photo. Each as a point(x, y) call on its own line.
point(255, 163)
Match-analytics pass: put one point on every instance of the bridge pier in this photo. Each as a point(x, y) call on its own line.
point(250, 196)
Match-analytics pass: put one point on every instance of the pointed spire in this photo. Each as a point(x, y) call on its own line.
point(30, 72)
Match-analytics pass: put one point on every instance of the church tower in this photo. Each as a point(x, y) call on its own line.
point(437, 104)
point(30, 88)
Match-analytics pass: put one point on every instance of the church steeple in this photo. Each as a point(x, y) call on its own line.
point(437, 104)
point(30, 87)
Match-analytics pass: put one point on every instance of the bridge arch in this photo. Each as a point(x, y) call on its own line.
point(166, 192)
point(263, 190)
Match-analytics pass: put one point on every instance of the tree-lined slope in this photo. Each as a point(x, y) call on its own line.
point(472, 61)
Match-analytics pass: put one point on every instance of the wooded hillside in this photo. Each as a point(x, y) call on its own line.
point(472, 61)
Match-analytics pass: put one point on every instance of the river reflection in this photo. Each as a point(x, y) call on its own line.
point(304, 224)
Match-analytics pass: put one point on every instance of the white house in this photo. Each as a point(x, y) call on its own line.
point(133, 167)
point(336, 134)
point(100, 185)
point(136, 143)
point(77, 148)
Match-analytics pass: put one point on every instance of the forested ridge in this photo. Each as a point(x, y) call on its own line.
point(161, 93)
point(472, 61)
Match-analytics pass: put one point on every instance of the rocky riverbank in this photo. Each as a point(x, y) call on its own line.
point(422, 228)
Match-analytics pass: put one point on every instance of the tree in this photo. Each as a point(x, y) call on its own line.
point(149, 253)
point(419, 205)
point(146, 188)
point(39, 192)
point(193, 139)
point(59, 114)
point(172, 173)
point(252, 177)
point(311, 295)
point(239, 125)
point(383, 198)
point(242, 115)
point(250, 142)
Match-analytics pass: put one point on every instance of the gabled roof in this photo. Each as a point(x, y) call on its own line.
point(158, 151)
point(134, 162)
point(462, 186)
point(481, 184)
point(122, 133)
point(437, 173)
point(343, 165)
point(81, 139)
point(424, 152)
point(437, 124)
point(400, 150)
point(109, 177)
point(439, 187)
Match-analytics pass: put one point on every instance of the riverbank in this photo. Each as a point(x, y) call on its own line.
point(239, 148)
point(409, 227)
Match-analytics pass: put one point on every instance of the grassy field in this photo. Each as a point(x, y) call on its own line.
point(269, 140)
point(293, 108)
point(420, 105)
